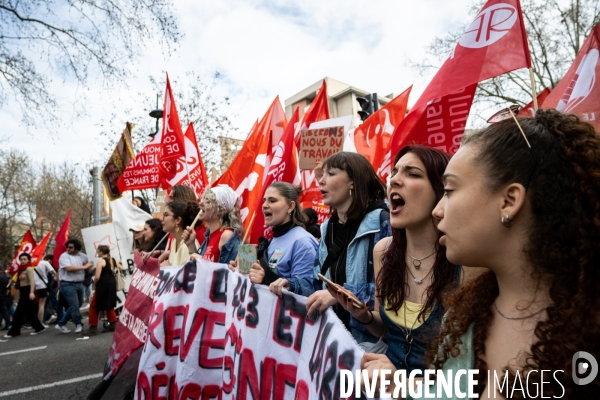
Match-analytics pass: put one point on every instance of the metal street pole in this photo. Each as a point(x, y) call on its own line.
point(98, 197)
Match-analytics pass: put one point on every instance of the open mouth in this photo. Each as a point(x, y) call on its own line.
point(396, 203)
point(268, 214)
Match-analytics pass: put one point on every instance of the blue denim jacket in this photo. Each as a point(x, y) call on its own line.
point(228, 251)
point(359, 261)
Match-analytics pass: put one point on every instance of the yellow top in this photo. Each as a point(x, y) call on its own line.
point(412, 311)
point(180, 256)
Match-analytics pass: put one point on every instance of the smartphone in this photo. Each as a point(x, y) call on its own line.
point(334, 285)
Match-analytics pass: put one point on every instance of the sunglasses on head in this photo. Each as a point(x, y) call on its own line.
point(510, 112)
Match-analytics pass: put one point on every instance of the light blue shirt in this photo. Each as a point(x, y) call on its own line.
point(293, 254)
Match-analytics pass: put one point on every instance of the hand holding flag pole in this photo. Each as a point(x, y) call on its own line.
point(249, 228)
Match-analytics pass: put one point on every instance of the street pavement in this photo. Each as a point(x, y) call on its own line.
point(52, 365)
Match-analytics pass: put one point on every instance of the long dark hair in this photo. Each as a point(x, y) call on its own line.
point(156, 227)
point(367, 185)
point(186, 210)
point(563, 245)
point(391, 281)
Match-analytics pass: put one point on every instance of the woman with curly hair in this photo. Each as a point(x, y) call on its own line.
point(220, 211)
point(532, 216)
point(411, 269)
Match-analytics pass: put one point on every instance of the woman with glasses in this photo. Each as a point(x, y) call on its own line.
point(532, 217)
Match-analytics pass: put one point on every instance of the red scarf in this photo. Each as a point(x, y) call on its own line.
point(22, 268)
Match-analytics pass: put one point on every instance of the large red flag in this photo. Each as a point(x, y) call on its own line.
point(528, 110)
point(192, 172)
point(372, 138)
point(38, 252)
point(27, 245)
point(61, 238)
point(143, 172)
point(283, 168)
point(245, 175)
point(173, 142)
point(578, 92)
point(311, 196)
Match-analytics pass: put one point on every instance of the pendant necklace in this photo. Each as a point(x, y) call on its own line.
point(419, 281)
point(417, 261)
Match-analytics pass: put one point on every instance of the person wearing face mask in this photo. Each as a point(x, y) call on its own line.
point(360, 218)
point(177, 216)
point(522, 199)
point(411, 268)
point(219, 209)
point(291, 253)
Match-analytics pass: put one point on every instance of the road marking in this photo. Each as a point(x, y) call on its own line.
point(49, 385)
point(22, 351)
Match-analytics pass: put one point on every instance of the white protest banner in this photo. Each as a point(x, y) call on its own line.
point(214, 334)
point(99, 235)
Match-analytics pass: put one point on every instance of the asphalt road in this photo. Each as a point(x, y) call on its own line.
point(51, 365)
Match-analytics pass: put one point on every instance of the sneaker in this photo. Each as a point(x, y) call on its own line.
point(27, 326)
point(7, 336)
point(52, 319)
point(63, 329)
point(45, 326)
point(38, 332)
point(85, 306)
point(79, 328)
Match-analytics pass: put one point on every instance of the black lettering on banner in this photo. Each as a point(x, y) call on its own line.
point(316, 359)
point(331, 373)
point(185, 277)
point(283, 321)
point(165, 283)
point(252, 317)
point(241, 312)
point(235, 301)
point(218, 292)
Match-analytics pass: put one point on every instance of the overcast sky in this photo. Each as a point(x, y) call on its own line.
point(261, 49)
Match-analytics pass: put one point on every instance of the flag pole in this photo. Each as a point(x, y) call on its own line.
point(249, 228)
point(533, 91)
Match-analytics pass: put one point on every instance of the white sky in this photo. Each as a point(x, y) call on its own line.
point(262, 49)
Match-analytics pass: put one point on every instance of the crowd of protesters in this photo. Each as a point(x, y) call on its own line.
point(487, 260)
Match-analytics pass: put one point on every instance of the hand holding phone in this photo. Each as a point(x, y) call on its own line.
point(339, 288)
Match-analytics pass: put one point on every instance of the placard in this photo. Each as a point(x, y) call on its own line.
point(160, 203)
point(318, 144)
point(246, 257)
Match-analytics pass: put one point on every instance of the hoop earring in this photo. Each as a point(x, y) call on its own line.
point(506, 221)
point(350, 192)
point(177, 228)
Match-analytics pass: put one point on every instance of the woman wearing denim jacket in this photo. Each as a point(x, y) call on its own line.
point(360, 219)
point(219, 209)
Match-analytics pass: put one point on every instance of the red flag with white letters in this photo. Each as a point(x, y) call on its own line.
point(372, 138)
point(27, 245)
point(144, 171)
point(192, 173)
point(172, 141)
point(246, 174)
point(311, 196)
point(578, 92)
point(283, 167)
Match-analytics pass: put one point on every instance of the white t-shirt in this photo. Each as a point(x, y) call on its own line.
point(66, 260)
point(43, 268)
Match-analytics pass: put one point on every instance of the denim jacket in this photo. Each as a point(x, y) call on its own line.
point(359, 266)
point(228, 251)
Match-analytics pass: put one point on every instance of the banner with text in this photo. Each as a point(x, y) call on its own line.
point(213, 334)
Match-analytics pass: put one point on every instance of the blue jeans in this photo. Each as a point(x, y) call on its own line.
point(73, 293)
point(53, 303)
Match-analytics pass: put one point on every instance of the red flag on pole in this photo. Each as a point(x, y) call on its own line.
point(38, 252)
point(372, 138)
point(245, 175)
point(578, 92)
point(283, 168)
point(61, 238)
point(143, 172)
point(173, 142)
point(27, 245)
point(193, 172)
point(311, 195)
point(528, 110)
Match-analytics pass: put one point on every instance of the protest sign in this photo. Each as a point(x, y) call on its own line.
point(214, 334)
point(318, 144)
point(131, 330)
point(99, 235)
point(160, 203)
point(246, 257)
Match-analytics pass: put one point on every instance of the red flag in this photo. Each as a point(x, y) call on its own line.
point(61, 238)
point(311, 196)
point(38, 252)
point(173, 142)
point(528, 111)
point(192, 166)
point(372, 138)
point(578, 92)
point(27, 245)
point(143, 172)
point(245, 175)
point(283, 168)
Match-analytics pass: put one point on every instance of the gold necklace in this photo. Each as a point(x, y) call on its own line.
point(418, 260)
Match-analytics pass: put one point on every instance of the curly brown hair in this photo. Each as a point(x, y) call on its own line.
point(391, 280)
point(563, 246)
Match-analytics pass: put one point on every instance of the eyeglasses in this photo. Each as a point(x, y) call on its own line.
point(502, 115)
